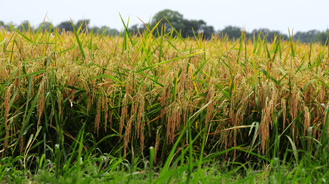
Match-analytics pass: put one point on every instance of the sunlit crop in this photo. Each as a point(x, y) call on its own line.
point(153, 89)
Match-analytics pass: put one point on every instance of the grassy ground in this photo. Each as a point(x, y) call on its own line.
point(154, 108)
point(105, 169)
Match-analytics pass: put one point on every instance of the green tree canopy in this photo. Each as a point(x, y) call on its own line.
point(306, 37)
point(3, 25)
point(137, 28)
point(66, 25)
point(84, 24)
point(106, 30)
point(176, 20)
point(187, 28)
point(267, 34)
point(24, 26)
point(323, 37)
point(45, 26)
point(231, 32)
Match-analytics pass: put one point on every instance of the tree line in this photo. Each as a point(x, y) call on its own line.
point(63, 26)
point(172, 21)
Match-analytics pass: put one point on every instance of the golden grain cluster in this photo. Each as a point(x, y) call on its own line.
point(146, 88)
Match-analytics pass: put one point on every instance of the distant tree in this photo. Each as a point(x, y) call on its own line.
point(268, 34)
point(134, 29)
point(24, 26)
point(323, 37)
point(208, 31)
point(176, 20)
point(306, 37)
point(231, 31)
point(3, 25)
point(192, 27)
point(66, 25)
point(84, 24)
point(45, 26)
point(113, 32)
point(197, 27)
point(186, 28)
point(104, 29)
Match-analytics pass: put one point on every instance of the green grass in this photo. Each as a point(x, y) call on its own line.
point(107, 169)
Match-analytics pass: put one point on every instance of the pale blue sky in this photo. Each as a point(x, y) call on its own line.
point(299, 15)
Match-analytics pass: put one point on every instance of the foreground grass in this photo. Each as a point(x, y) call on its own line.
point(102, 170)
point(79, 107)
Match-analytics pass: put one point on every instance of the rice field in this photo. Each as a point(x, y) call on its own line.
point(160, 108)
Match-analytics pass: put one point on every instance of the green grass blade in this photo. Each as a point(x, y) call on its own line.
point(165, 62)
point(24, 36)
point(78, 40)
